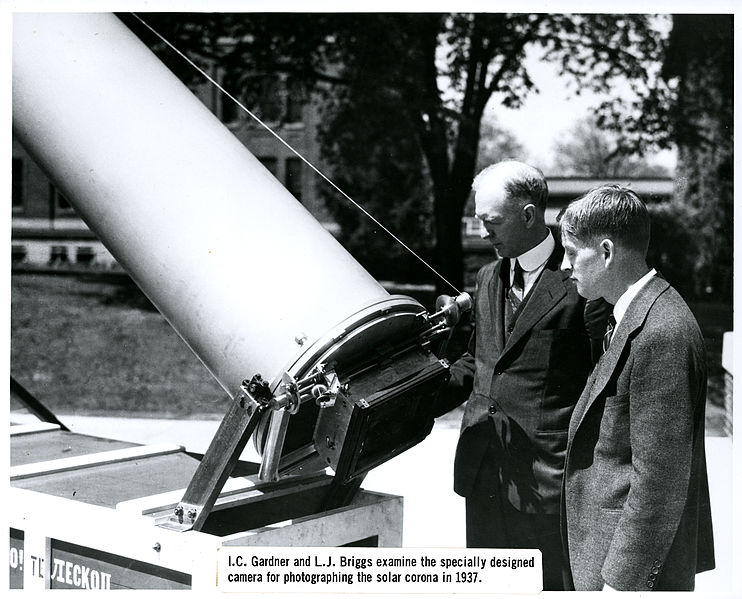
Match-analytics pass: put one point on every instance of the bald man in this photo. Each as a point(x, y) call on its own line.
point(528, 359)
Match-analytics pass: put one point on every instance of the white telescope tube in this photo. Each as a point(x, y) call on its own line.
point(236, 265)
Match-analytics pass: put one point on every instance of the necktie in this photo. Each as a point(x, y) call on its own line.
point(514, 297)
point(518, 283)
point(516, 289)
point(608, 333)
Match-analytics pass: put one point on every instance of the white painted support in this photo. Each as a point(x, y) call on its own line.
point(727, 352)
point(37, 427)
point(44, 517)
point(371, 515)
point(727, 362)
point(92, 459)
point(233, 493)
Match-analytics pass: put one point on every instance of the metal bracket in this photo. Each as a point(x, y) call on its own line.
point(321, 384)
point(283, 406)
point(218, 462)
point(238, 425)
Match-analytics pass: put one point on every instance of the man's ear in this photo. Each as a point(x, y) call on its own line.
point(608, 251)
point(528, 214)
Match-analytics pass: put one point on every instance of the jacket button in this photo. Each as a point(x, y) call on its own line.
point(655, 570)
point(650, 584)
point(492, 409)
point(657, 563)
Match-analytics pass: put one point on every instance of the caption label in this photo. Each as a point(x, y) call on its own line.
point(371, 570)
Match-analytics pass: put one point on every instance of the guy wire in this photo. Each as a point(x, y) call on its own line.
point(292, 149)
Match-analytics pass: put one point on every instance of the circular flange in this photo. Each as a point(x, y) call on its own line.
point(390, 320)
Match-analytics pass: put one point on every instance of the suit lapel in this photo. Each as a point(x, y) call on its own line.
point(496, 291)
point(545, 294)
point(604, 369)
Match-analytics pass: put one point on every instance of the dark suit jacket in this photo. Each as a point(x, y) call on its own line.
point(526, 383)
point(636, 492)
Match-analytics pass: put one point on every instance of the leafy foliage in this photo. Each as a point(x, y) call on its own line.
point(691, 104)
point(589, 151)
point(701, 57)
point(671, 244)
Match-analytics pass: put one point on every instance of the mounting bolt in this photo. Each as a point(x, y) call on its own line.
point(157, 547)
point(192, 514)
point(178, 511)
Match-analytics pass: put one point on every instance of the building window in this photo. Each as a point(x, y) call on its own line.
point(17, 192)
point(270, 100)
point(294, 104)
point(58, 254)
point(18, 253)
point(84, 254)
point(59, 204)
point(270, 163)
point(293, 176)
point(229, 111)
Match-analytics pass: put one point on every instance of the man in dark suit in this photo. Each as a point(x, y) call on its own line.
point(636, 499)
point(528, 358)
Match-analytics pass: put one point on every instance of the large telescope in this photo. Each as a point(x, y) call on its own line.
point(325, 368)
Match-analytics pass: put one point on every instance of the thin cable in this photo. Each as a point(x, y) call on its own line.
point(296, 152)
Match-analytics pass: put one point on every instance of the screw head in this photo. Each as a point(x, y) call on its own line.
point(178, 511)
point(157, 547)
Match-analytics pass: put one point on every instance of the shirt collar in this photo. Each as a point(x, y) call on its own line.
point(538, 255)
point(619, 310)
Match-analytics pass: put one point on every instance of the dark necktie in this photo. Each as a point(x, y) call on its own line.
point(608, 333)
point(515, 293)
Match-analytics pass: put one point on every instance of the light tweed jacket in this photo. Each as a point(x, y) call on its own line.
point(636, 509)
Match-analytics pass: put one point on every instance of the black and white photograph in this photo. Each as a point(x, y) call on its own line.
point(312, 299)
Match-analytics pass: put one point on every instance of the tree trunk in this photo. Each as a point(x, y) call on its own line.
point(448, 249)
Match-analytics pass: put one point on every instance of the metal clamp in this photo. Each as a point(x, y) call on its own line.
point(288, 398)
point(255, 391)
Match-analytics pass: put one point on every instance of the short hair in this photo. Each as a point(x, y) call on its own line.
point(520, 181)
point(609, 211)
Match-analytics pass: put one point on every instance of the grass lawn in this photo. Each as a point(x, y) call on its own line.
point(93, 344)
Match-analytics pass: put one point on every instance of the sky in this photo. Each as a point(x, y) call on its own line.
point(548, 115)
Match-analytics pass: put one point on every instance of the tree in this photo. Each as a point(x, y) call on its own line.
point(589, 151)
point(497, 143)
point(690, 104)
point(433, 73)
point(700, 58)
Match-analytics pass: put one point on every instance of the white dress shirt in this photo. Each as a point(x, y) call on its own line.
point(619, 310)
point(532, 262)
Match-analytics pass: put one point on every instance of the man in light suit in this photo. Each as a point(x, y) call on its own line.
point(636, 501)
point(527, 361)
